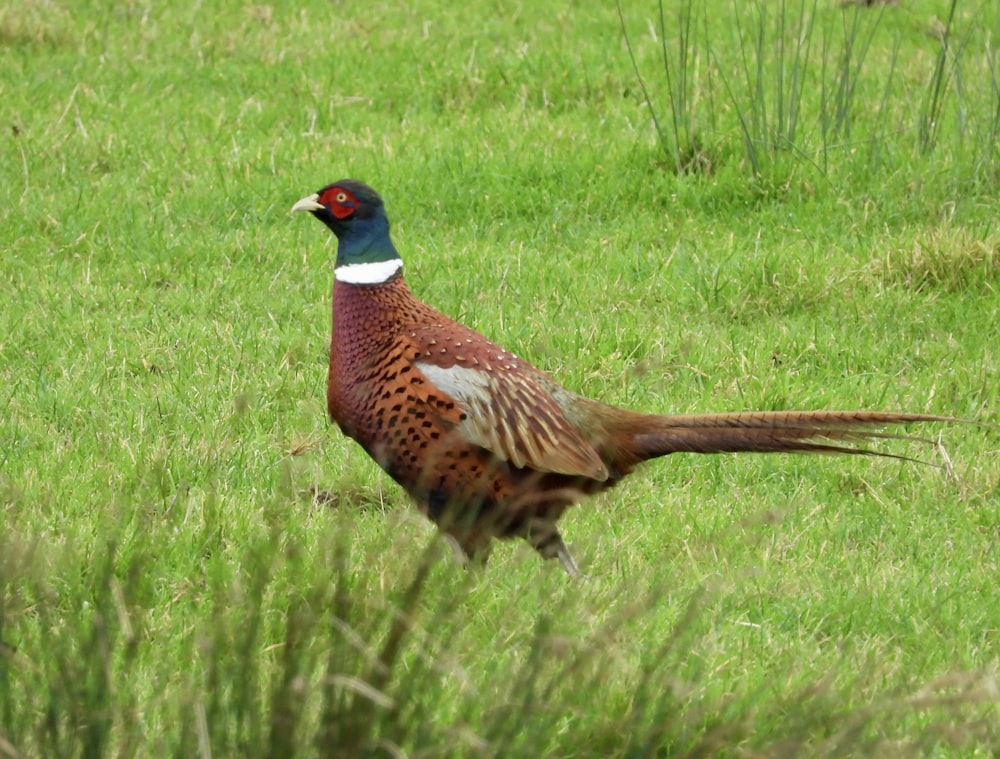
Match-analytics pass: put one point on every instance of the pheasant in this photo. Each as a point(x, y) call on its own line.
point(486, 444)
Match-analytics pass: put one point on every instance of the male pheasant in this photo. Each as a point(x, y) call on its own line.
point(488, 445)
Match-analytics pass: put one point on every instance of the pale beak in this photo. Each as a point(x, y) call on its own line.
point(310, 203)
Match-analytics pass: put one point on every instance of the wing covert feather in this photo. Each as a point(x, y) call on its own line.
point(508, 407)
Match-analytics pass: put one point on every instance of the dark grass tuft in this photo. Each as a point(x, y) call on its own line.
point(295, 663)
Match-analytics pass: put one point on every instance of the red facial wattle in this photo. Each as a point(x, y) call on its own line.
point(341, 202)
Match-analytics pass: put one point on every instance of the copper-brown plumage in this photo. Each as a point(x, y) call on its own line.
point(488, 445)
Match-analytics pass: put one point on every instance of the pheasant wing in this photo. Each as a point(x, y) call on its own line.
point(508, 406)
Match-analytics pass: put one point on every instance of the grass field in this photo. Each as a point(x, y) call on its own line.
point(811, 222)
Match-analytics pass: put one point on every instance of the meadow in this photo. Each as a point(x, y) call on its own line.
point(667, 206)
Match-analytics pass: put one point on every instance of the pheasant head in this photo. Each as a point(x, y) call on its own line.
point(356, 215)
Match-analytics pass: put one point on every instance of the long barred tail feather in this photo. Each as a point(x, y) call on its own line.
point(776, 431)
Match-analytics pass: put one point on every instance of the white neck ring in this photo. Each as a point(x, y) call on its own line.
point(372, 273)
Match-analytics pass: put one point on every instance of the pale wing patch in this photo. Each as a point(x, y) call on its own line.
point(513, 416)
point(465, 385)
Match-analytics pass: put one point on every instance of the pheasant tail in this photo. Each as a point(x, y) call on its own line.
point(771, 432)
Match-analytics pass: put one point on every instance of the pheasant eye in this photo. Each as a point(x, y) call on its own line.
point(341, 202)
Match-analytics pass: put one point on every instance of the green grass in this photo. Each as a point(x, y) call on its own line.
point(168, 586)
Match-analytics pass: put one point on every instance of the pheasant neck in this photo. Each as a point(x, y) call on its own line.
point(366, 255)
